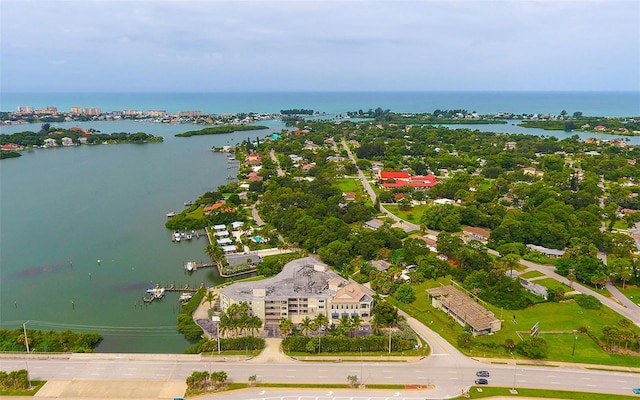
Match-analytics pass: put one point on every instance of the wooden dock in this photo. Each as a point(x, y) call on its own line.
point(196, 266)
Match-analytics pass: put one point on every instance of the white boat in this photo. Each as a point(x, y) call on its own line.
point(188, 203)
point(156, 292)
point(191, 266)
point(176, 236)
point(189, 236)
point(171, 214)
point(184, 297)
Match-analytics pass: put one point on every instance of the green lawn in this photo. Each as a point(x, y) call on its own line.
point(552, 284)
point(531, 274)
point(489, 391)
point(413, 215)
point(557, 321)
point(632, 292)
point(349, 184)
point(36, 385)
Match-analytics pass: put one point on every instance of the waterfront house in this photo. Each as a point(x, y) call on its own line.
point(67, 141)
point(253, 158)
point(49, 142)
point(236, 225)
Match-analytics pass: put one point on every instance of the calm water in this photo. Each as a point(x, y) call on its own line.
point(63, 209)
point(590, 103)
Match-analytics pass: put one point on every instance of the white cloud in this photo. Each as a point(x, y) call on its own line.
point(321, 45)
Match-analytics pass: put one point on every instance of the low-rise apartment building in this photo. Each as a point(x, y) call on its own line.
point(304, 288)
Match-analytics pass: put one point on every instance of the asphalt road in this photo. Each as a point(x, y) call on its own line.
point(449, 374)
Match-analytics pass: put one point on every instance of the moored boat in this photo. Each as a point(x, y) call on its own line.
point(185, 297)
point(191, 266)
point(171, 214)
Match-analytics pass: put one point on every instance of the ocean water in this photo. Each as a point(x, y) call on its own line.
point(589, 103)
point(63, 209)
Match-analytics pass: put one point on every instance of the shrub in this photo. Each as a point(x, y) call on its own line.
point(587, 301)
point(535, 348)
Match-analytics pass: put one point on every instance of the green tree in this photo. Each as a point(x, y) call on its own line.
point(219, 379)
point(405, 293)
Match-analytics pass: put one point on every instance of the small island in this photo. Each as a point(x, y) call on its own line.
point(216, 130)
point(49, 136)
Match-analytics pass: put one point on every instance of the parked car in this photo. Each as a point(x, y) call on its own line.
point(482, 381)
point(636, 390)
point(484, 374)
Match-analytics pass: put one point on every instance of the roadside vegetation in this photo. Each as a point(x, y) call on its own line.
point(49, 341)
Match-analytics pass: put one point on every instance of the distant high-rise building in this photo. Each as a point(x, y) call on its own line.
point(25, 109)
point(47, 110)
point(157, 113)
point(92, 111)
point(76, 110)
point(190, 113)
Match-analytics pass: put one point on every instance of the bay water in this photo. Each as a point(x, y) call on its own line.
point(63, 209)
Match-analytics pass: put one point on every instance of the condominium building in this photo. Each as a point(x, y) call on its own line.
point(305, 288)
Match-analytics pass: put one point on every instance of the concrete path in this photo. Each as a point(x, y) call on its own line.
point(272, 352)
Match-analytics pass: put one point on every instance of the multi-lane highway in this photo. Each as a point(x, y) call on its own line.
point(448, 376)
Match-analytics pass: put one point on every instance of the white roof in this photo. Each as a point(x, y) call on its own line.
point(219, 227)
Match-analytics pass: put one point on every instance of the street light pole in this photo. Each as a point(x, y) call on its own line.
point(515, 367)
point(574, 345)
point(361, 363)
point(26, 341)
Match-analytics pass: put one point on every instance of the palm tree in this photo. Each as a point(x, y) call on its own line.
point(286, 326)
point(345, 325)
point(356, 322)
point(321, 320)
point(306, 325)
point(211, 297)
point(214, 252)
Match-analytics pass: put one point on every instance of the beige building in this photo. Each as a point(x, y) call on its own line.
point(305, 287)
point(464, 310)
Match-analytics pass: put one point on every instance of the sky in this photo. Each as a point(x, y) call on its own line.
point(305, 45)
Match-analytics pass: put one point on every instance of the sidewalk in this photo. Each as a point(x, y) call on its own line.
point(541, 363)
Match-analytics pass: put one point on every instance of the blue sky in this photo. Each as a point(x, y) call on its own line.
point(303, 45)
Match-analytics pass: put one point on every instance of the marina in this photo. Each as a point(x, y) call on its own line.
point(156, 292)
